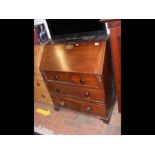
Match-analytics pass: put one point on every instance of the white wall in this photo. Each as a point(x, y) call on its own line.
point(108, 31)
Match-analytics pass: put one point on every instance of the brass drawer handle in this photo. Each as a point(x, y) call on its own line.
point(86, 94)
point(57, 90)
point(56, 77)
point(62, 103)
point(88, 109)
point(82, 81)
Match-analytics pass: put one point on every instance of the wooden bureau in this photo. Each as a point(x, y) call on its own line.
point(79, 76)
point(40, 91)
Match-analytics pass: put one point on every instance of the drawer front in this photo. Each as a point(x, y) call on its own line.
point(87, 93)
point(58, 89)
point(77, 92)
point(79, 105)
point(56, 76)
point(66, 102)
point(88, 80)
point(94, 109)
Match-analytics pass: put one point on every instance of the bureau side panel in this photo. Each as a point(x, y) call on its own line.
point(108, 81)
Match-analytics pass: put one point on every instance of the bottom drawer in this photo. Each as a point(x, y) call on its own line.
point(79, 105)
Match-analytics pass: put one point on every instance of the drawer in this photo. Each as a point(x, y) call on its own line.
point(94, 109)
point(85, 79)
point(66, 102)
point(79, 105)
point(59, 89)
point(77, 91)
point(87, 93)
point(56, 76)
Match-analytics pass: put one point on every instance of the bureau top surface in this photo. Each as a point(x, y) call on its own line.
point(86, 57)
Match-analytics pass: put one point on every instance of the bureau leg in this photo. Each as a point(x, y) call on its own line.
point(56, 108)
point(106, 121)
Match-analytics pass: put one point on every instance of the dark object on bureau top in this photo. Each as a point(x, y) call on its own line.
point(75, 29)
point(79, 76)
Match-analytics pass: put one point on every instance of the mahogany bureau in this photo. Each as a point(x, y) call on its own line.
point(79, 76)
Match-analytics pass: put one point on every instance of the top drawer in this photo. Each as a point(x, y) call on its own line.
point(86, 80)
point(74, 78)
point(56, 76)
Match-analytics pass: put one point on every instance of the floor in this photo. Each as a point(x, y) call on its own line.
point(68, 122)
